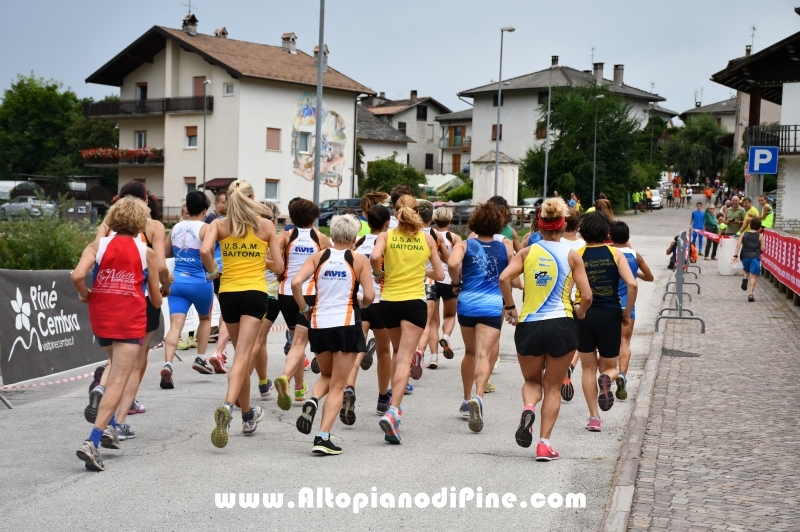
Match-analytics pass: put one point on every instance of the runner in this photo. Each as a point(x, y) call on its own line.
point(378, 218)
point(751, 244)
point(190, 288)
point(507, 231)
point(399, 190)
point(220, 357)
point(405, 251)
point(122, 265)
point(475, 266)
point(442, 218)
point(571, 239)
point(335, 335)
point(546, 329)
point(245, 239)
point(153, 237)
point(297, 245)
point(620, 238)
point(369, 200)
point(601, 330)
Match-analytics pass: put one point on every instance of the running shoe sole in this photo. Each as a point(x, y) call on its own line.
point(166, 379)
point(605, 400)
point(416, 367)
point(448, 352)
point(217, 365)
point(366, 362)
point(621, 392)
point(546, 458)
point(475, 422)
point(219, 436)
point(390, 434)
point(306, 419)
point(523, 435)
point(347, 414)
point(90, 413)
point(201, 368)
point(91, 461)
point(567, 390)
point(284, 398)
point(433, 364)
point(315, 366)
point(322, 449)
point(108, 442)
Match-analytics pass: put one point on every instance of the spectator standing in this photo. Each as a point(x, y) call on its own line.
point(648, 194)
point(698, 224)
point(635, 198)
point(767, 214)
point(710, 225)
point(734, 217)
point(708, 194)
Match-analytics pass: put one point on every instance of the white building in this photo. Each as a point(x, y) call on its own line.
point(379, 140)
point(522, 126)
point(455, 142)
point(414, 117)
point(261, 112)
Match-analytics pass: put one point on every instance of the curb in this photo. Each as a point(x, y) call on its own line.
point(620, 501)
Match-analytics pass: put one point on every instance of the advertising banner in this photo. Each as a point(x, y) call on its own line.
point(781, 257)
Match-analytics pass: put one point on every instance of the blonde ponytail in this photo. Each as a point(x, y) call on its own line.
point(243, 211)
point(406, 210)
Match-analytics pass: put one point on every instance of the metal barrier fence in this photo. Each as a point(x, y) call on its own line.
point(682, 265)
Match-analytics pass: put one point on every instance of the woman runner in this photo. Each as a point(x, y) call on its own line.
point(571, 239)
point(122, 266)
point(245, 239)
point(546, 329)
point(335, 318)
point(405, 251)
point(444, 290)
point(475, 267)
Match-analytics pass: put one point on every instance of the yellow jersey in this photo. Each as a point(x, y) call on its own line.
point(548, 279)
point(244, 263)
point(404, 262)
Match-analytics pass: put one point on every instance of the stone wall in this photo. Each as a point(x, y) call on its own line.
point(787, 199)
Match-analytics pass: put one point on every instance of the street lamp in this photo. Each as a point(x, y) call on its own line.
point(318, 117)
point(594, 166)
point(547, 130)
point(508, 29)
point(206, 83)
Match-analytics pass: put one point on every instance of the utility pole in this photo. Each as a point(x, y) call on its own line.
point(547, 132)
point(318, 110)
point(499, 105)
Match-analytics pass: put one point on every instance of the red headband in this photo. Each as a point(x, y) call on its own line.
point(551, 226)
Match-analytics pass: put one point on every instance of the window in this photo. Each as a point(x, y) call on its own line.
point(273, 139)
point(401, 127)
point(141, 91)
point(541, 129)
point(227, 89)
point(502, 100)
point(189, 185)
point(139, 139)
point(422, 113)
point(494, 131)
point(428, 161)
point(191, 136)
point(408, 158)
point(271, 189)
point(304, 143)
point(429, 132)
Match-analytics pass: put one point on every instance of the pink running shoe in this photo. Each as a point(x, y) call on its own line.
point(218, 362)
point(136, 408)
point(545, 453)
point(416, 365)
point(594, 424)
point(306, 364)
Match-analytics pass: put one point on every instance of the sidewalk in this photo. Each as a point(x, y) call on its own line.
point(721, 447)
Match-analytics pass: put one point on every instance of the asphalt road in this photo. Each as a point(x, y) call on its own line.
point(167, 477)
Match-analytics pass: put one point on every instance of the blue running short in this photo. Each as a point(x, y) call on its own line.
point(752, 266)
point(184, 295)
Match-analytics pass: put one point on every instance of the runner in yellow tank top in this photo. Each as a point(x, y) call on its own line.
point(245, 238)
point(405, 258)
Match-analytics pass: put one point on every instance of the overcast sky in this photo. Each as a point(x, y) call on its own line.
point(438, 47)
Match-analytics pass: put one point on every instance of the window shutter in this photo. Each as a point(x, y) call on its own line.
point(191, 131)
point(273, 138)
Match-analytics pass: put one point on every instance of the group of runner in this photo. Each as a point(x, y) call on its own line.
point(382, 272)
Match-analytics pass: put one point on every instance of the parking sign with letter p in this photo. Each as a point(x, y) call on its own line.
point(763, 159)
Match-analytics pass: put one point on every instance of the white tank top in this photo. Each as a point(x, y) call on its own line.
point(301, 246)
point(449, 246)
point(365, 248)
point(337, 289)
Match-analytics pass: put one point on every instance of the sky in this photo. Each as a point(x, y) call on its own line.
point(438, 48)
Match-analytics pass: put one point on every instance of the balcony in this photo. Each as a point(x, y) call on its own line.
point(465, 143)
point(150, 107)
point(450, 168)
point(119, 158)
point(786, 138)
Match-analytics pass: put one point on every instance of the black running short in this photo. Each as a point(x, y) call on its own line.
point(414, 311)
point(445, 291)
point(107, 342)
point(291, 313)
point(349, 339)
point(601, 329)
point(234, 305)
point(430, 292)
point(555, 337)
point(496, 322)
point(153, 317)
point(216, 284)
point(273, 309)
point(372, 315)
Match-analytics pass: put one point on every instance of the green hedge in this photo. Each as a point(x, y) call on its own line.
point(43, 244)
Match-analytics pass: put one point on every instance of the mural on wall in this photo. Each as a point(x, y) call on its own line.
point(334, 141)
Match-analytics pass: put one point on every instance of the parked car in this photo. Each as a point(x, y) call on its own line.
point(462, 211)
point(771, 197)
point(27, 206)
point(329, 208)
point(657, 199)
point(529, 207)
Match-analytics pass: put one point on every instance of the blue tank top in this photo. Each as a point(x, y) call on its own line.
point(630, 256)
point(480, 291)
point(186, 244)
point(601, 268)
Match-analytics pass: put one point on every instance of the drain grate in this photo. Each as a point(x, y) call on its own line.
point(675, 353)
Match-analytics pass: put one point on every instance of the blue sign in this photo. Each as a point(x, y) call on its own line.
point(763, 159)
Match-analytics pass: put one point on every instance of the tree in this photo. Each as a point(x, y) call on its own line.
point(572, 126)
point(385, 174)
point(694, 147)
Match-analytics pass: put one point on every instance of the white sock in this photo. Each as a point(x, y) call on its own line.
point(446, 337)
point(203, 356)
point(544, 441)
point(168, 364)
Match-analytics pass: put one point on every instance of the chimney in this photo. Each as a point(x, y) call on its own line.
point(598, 73)
point(619, 72)
point(413, 95)
point(221, 32)
point(289, 42)
point(382, 95)
point(189, 24)
point(698, 104)
point(324, 57)
point(747, 50)
point(554, 60)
